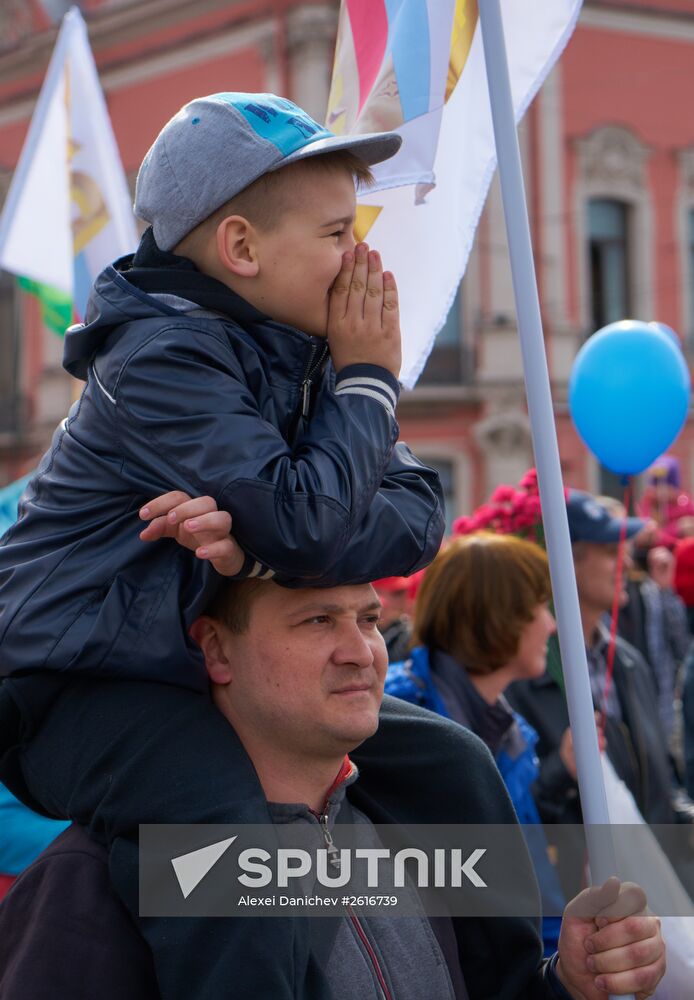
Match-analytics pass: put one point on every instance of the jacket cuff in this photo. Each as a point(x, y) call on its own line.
point(556, 989)
point(252, 569)
point(369, 380)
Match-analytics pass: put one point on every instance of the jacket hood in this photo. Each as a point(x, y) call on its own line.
point(143, 285)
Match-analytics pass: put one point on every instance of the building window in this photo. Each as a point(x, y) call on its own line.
point(446, 469)
point(445, 365)
point(608, 250)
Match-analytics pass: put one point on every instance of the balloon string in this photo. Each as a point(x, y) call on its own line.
point(615, 606)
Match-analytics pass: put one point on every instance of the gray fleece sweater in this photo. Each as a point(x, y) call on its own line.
point(378, 957)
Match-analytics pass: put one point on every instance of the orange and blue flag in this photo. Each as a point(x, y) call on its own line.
point(391, 73)
point(417, 67)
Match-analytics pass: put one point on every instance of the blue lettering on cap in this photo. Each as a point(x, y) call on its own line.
point(278, 120)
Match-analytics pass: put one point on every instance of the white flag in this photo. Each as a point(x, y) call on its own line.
point(417, 67)
point(68, 211)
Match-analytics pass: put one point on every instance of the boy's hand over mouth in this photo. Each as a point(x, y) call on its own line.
point(363, 320)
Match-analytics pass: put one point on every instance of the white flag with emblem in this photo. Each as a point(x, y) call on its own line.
point(68, 212)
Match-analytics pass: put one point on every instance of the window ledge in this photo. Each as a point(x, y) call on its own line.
point(441, 394)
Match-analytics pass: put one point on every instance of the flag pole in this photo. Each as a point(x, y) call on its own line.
point(537, 386)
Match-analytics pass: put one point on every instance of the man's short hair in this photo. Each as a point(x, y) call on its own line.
point(477, 597)
point(233, 602)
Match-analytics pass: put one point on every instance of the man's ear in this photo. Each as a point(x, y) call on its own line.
point(236, 246)
point(206, 632)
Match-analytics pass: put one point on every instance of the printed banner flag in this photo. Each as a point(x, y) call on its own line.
point(68, 211)
point(417, 67)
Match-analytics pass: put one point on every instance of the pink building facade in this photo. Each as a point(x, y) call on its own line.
point(608, 149)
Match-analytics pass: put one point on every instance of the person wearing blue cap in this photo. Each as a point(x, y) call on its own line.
point(246, 355)
point(635, 741)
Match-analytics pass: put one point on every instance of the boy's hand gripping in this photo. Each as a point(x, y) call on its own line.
point(196, 525)
point(363, 318)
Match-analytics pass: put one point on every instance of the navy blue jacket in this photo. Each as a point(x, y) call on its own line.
point(418, 768)
point(189, 387)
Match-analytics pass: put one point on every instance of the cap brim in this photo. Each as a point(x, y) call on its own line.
point(612, 532)
point(372, 147)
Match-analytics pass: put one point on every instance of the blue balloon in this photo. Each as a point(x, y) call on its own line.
point(668, 331)
point(629, 394)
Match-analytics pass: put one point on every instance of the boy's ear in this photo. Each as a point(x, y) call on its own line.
point(206, 632)
point(236, 246)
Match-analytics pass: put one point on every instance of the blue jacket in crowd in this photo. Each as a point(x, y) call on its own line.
point(24, 833)
point(191, 388)
point(413, 681)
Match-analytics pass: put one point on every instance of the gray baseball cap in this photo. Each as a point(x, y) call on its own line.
point(216, 146)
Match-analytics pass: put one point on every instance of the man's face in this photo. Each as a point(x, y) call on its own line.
point(300, 258)
point(307, 675)
point(596, 574)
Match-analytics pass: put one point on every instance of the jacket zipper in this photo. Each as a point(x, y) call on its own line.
point(311, 369)
point(333, 853)
point(334, 859)
point(361, 934)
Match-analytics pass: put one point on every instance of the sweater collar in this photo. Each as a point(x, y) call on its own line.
point(290, 812)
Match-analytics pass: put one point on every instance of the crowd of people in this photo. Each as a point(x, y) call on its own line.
point(190, 634)
point(654, 638)
point(488, 588)
point(471, 638)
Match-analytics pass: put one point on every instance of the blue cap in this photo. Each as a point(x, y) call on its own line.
point(589, 521)
point(216, 146)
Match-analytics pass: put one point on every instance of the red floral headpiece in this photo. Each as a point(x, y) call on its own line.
point(511, 510)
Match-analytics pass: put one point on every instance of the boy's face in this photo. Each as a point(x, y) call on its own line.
point(300, 258)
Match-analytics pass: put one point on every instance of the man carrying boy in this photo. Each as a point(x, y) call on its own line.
point(206, 362)
point(299, 677)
